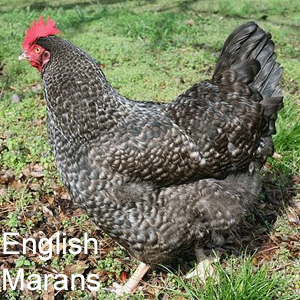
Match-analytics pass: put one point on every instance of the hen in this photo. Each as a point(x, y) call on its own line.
point(160, 178)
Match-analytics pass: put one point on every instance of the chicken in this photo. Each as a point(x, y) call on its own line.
point(161, 178)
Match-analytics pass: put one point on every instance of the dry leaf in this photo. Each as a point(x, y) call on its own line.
point(37, 174)
point(17, 185)
point(297, 208)
point(6, 177)
point(35, 187)
point(50, 199)
point(123, 276)
point(292, 217)
point(49, 214)
point(49, 293)
point(2, 192)
point(77, 268)
point(190, 22)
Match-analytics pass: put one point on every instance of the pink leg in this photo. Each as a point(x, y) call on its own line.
point(133, 282)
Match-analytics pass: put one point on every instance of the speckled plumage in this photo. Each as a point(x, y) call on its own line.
point(156, 177)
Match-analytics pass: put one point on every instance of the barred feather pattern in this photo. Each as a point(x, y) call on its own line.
point(161, 177)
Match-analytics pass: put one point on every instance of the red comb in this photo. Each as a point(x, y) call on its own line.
point(39, 29)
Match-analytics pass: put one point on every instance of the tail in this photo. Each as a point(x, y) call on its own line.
point(249, 51)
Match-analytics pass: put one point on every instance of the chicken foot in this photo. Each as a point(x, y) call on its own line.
point(133, 282)
point(204, 268)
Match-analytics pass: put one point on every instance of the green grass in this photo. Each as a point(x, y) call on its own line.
point(238, 280)
point(149, 51)
point(287, 140)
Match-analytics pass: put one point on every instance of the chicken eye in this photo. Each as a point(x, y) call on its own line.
point(37, 50)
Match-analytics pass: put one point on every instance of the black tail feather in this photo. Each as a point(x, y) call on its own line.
point(249, 51)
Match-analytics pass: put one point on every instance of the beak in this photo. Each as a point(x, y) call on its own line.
point(23, 56)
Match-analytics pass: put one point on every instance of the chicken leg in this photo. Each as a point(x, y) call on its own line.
point(132, 283)
point(204, 268)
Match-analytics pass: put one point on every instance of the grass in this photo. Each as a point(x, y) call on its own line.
point(237, 281)
point(148, 50)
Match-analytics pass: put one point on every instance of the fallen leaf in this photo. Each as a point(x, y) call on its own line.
point(277, 156)
point(297, 208)
point(37, 174)
point(28, 293)
point(35, 187)
point(179, 80)
point(123, 276)
point(82, 255)
point(49, 198)
point(17, 185)
point(49, 214)
point(49, 293)
point(15, 98)
point(2, 192)
point(154, 292)
point(38, 168)
point(36, 88)
point(77, 268)
point(37, 122)
point(190, 22)
point(6, 177)
point(292, 217)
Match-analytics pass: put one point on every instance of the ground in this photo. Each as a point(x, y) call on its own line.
point(148, 50)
